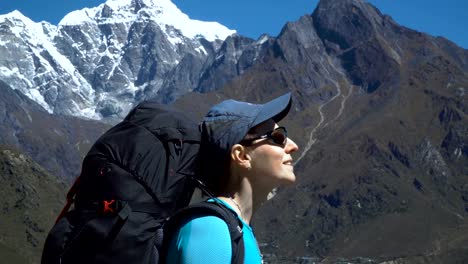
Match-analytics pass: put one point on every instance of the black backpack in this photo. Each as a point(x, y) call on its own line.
point(133, 181)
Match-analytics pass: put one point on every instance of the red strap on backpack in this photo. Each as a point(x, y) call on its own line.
point(109, 206)
point(70, 198)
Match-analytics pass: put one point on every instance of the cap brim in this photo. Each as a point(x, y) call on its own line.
point(275, 109)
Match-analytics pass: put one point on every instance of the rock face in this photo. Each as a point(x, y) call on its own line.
point(364, 40)
point(380, 114)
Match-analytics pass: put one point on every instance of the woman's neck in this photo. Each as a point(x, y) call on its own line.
point(242, 210)
point(244, 202)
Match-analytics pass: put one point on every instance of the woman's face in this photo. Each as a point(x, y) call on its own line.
point(271, 163)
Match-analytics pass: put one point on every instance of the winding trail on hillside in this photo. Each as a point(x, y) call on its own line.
point(321, 124)
point(312, 139)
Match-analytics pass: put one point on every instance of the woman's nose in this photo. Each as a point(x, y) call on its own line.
point(291, 146)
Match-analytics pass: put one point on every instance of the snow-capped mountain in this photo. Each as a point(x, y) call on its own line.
point(99, 61)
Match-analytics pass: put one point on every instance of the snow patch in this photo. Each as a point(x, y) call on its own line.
point(457, 153)
point(36, 96)
point(358, 204)
point(262, 39)
point(79, 17)
point(6, 72)
point(201, 50)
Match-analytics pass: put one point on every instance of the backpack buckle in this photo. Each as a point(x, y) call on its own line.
point(178, 146)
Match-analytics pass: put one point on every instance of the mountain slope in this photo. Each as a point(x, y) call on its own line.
point(31, 199)
point(57, 143)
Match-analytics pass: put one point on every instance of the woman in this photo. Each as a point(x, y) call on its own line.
point(244, 156)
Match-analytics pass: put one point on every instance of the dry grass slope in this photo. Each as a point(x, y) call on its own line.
point(31, 199)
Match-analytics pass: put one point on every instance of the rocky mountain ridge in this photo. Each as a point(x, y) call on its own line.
point(99, 61)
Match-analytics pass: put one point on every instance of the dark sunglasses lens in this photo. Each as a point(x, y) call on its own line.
point(279, 136)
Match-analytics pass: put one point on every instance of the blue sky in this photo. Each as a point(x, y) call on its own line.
point(448, 18)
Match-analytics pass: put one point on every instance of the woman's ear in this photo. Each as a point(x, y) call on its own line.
point(240, 156)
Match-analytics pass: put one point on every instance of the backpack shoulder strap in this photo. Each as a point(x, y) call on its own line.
point(211, 209)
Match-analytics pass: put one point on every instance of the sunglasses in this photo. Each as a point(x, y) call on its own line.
point(279, 136)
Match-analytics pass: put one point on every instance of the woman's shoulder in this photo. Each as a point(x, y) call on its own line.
point(205, 226)
point(203, 239)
